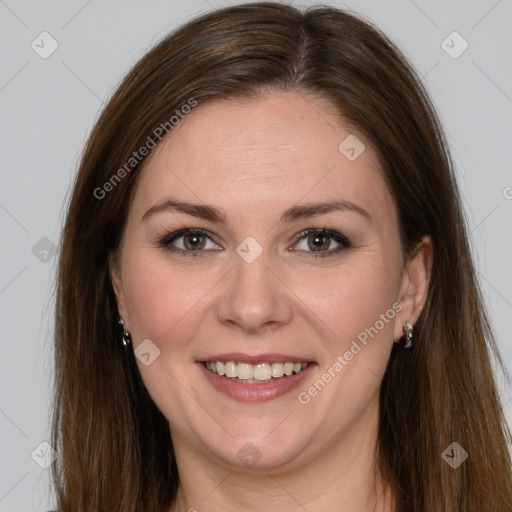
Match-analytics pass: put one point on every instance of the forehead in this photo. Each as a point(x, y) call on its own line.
point(279, 147)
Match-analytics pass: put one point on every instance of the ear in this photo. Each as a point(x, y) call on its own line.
point(415, 281)
point(117, 285)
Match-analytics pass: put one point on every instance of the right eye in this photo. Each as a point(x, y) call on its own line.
point(191, 241)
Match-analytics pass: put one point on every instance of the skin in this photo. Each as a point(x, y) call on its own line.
point(253, 160)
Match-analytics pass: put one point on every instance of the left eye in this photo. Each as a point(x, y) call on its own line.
point(321, 241)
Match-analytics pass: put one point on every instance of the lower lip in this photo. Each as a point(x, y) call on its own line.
point(244, 392)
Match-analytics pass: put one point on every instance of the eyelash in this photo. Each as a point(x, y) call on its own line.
point(344, 242)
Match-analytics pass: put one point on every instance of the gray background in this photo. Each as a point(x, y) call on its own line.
point(48, 107)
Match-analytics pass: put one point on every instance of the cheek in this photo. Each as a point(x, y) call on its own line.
point(358, 307)
point(353, 301)
point(164, 304)
point(162, 299)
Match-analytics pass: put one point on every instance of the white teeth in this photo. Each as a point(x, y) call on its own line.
point(230, 368)
point(262, 371)
point(244, 371)
point(257, 373)
point(278, 369)
point(288, 368)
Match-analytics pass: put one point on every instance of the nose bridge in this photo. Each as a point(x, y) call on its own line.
point(252, 278)
point(253, 296)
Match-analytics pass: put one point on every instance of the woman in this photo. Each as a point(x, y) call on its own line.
point(266, 298)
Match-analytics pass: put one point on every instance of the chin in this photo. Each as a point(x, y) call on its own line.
point(252, 452)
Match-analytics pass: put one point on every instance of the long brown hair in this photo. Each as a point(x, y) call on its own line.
point(115, 451)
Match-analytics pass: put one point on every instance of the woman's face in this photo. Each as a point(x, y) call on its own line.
point(255, 281)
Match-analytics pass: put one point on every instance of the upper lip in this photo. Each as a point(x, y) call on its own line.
point(255, 359)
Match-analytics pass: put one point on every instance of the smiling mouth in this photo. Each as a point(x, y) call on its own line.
point(261, 373)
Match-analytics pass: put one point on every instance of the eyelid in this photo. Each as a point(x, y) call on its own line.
point(169, 237)
point(323, 231)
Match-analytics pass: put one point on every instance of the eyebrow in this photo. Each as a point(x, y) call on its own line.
point(213, 214)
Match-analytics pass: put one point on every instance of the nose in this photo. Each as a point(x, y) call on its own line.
point(254, 298)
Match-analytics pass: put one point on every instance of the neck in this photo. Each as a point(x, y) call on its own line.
point(342, 476)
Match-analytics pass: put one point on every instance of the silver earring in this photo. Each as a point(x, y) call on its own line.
point(127, 337)
point(405, 340)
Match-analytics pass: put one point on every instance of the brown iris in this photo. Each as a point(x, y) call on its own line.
point(194, 241)
point(318, 242)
